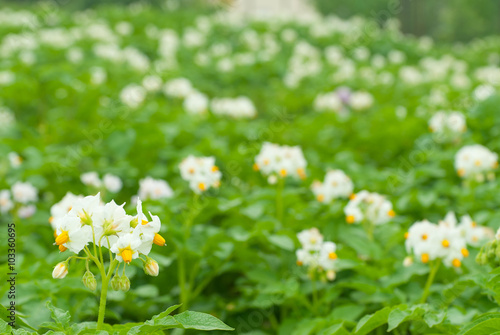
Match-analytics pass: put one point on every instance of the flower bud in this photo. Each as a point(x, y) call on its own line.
point(151, 267)
point(89, 281)
point(124, 283)
point(60, 270)
point(330, 274)
point(115, 283)
point(408, 261)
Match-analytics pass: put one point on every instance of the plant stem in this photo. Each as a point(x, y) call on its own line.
point(430, 280)
point(279, 199)
point(314, 296)
point(104, 292)
point(182, 279)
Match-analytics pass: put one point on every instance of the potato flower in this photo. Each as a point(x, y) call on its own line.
point(476, 162)
point(318, 256)
point(200, 172)
point(336, 185)
point(282, 161)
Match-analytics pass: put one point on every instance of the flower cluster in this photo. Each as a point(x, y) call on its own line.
point(447, 123)
point(476, 162)
point(370, 207)
point(275, 160)
point(317, 255)
point(240, 107)
point(200, 172)
point(154, 189)
point(446, 240)
point(19, 199)
point(343, 99)
point(336, 185)
point(110, 182)
point(88, 220)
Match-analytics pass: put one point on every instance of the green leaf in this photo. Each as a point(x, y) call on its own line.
point(372, 321)
point(334, 330)
point(402, 314)
point(200, 321)
point(4, 315)
point(486, 324)
point(60, 316)
point(4, 327)
point(282, 241)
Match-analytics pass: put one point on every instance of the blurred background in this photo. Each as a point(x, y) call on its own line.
point(444, 20)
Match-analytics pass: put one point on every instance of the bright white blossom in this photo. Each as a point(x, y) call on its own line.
point(240, 107)
point(6, 204)
point(178, 88)
point(282, 161)
point(24, 192)
point(316, 254)
point(370, 207)
point(196, 103)
point(154, 189)
point(91, 179)
point(446, 241)
point(200, 172)
point(476, 161)
point(336, 185)
point(112, 183)
point(447, 123)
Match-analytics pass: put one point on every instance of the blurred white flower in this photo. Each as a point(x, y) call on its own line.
point(24, 192)
point(196, 103)
point(91, 179)
point(336, 185)
point(200, 172)
point(178, 88)
point(154, 189)
point(281, 161)
point(133, 95)
point(473, 161)
point(112, 183)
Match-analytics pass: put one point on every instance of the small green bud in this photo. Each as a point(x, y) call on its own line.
point(115, 283)
point(124, 283)
point(89, 281)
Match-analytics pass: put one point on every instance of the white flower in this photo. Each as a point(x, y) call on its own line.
point(154, 189)
point(361, 100)
point(126, 247)
point(311, 239)
point(327, 255)
point(429, 241)
point(109, 222)
point(447, 122)
point(26, 211)
point(112, 183)
point(133, 95)
point(178, 88)
point(473, 233)
point(200, 172)
point(91, 179)
point(6, 118)
point(336, 185)
point(6, 204)
point(85, 208)
point(60, 270)
point(328, 102)
point(14, 159)
point(240, 107)
point(281, 160)
point(148, 231)
point(152, 83)
point(475, 160)
point(60, 209)
point(71, 234)
point(196, 103)
point(371, 207)
point(24, 192)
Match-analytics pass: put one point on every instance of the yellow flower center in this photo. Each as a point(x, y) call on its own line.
point(456, 263)
point(465, 252)
point(425, 258)
point(283, 172)
point(159, 240)
point(445, 243)
point(391, 213)
point(202, 186)
point(461, 172)
point(256, 167)
point(350, 219)
point(332, 255)
point(62, 238)
point(424, 237)
point(215, 168)
point(126, 254)
point(407, 234)
point(320, 197)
